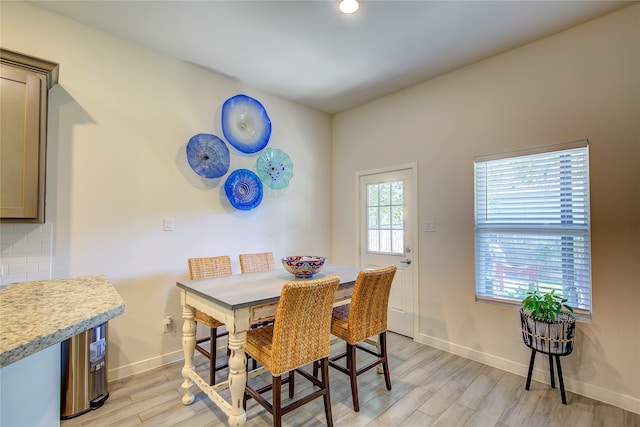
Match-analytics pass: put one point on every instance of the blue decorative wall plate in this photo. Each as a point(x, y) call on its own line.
point(245, 124)
point(243, 189)
point(208, 155)
point(274, 168)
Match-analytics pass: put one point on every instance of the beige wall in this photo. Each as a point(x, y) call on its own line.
point(121, 115)
point(119, 120)
point(582, 83)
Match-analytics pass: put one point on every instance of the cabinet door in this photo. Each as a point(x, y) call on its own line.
point(21, 162)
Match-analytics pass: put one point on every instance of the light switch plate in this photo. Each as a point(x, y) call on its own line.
point(429, 226)
point(168, 224)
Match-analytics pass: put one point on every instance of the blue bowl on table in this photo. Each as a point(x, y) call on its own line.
point(303, 266)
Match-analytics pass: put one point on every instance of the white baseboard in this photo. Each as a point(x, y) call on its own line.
point(157, 362)
point(145, 365)
point(611, 397)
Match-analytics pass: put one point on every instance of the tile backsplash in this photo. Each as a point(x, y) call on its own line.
point(25, 252)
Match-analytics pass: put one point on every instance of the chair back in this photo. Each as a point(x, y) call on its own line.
point(369, 303)
point(251, 263)
point(303, 323)
point(203, 268)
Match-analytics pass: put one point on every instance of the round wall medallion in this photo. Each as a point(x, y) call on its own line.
point(208, 155)
point(245, 124)
point(274, 168)
point(243, 189)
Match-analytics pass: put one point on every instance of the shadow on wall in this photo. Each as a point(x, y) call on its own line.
point(582, 368)
point(64, 115)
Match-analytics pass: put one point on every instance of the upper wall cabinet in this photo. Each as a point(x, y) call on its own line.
point(24, 85)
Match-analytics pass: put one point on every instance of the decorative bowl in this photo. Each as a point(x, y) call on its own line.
point(304, 266)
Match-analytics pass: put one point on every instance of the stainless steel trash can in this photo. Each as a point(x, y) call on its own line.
point(84, 372)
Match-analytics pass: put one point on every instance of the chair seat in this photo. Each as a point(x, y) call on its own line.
point(205, 319)
point(340, 322)
point(259, 344)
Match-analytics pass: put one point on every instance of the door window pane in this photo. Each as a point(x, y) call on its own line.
point(385, 222)
point(373, 217)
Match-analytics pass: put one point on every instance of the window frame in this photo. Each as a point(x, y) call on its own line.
point(525, 228)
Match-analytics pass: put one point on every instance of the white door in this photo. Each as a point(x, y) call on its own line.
point(387, 224)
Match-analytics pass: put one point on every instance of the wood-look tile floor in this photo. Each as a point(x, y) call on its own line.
point(430, 388)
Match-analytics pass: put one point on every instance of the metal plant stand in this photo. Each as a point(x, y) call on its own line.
point(553, 339)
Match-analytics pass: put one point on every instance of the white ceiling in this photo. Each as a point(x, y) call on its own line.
point(310, 53)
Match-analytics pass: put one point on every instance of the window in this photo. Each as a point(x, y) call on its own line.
point(385, 218)
point(532, 227)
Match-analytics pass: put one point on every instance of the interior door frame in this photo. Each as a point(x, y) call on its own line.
point(413, 167)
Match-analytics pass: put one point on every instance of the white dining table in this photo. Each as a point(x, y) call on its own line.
point(239, 301)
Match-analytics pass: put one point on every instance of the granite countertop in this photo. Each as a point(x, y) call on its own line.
point(37, 315)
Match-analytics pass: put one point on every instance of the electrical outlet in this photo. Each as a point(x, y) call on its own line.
point(168, 324)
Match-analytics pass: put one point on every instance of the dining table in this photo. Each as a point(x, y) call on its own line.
point(240, 301)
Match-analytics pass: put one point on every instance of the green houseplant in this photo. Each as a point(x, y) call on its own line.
point(548, 326)
point(548, 323)
point(545, 307)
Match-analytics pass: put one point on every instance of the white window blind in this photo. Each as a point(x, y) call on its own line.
point(532, 224)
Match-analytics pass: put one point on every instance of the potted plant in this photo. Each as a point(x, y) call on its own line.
point(548, 325)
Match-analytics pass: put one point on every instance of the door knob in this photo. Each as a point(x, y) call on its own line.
point(406, 261)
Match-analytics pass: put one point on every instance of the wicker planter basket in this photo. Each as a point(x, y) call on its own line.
point(550, 338)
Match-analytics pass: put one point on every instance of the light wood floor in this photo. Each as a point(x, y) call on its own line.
point(430, 388)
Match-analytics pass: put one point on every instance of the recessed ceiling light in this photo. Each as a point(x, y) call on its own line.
point(349, 6)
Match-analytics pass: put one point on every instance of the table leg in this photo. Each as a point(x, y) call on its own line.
point(237, 377)
point(188, 346)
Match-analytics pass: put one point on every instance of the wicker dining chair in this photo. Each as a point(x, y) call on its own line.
point(202, 268)
point(364, 317)
point(299, 336)
point(251, 263)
